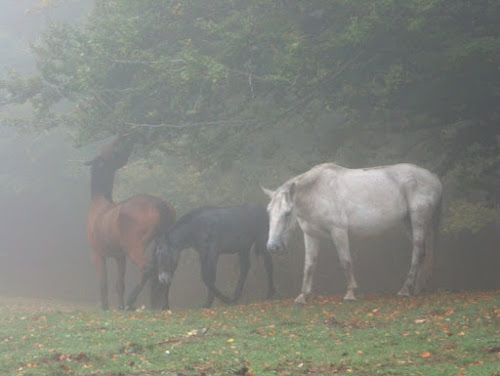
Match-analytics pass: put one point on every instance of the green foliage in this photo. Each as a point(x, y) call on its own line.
point(206, 79)
point(464, 215)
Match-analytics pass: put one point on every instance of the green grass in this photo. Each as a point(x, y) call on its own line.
point(438, 334)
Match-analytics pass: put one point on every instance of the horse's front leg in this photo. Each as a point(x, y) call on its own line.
point(166, 304)
point(208, 268)
point(121, 263)
point(268, 264)
point(159, 291)
point(244, 267)
point(261, 249)
point(310, 261)
point(341, 240)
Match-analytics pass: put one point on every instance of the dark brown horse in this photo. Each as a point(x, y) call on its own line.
point(124, 229)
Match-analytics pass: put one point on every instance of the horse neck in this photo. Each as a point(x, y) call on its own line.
point(101, 184)
point(98, 206)
point(181, 236)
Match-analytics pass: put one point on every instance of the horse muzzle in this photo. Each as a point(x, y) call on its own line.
point(165, 278)
point(276, 248)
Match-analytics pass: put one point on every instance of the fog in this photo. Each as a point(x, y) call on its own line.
point(45, 196)
point(44, 252)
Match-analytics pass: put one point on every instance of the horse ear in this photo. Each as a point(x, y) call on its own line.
point(291, 190)
point(92, 161)
point(268, 192)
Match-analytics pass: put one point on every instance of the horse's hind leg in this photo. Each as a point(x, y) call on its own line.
point(146, 274)
point(310, 261)
point(341, 240)
point(120, 282)
point(138, 257)
point(417, 255)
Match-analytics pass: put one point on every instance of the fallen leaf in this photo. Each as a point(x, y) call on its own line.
point(81, 356)
point(426, 354)
point(449, 312)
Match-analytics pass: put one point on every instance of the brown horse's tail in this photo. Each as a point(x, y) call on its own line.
point(427, 265)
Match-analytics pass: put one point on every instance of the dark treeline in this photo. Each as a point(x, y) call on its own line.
point(234, 85)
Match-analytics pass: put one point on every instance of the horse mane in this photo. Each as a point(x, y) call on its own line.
point(186, 218)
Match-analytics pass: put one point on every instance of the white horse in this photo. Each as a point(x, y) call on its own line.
point(333, 201)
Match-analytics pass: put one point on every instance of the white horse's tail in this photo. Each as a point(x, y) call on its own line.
point(427, 265)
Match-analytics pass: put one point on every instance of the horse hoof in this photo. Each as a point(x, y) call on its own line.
point(403, 294)
point(300, 301)
point(349, 297)
point(299, 304)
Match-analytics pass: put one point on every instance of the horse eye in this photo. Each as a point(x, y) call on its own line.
point(287, 213)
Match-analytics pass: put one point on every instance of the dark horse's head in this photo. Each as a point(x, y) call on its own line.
point(167, 257)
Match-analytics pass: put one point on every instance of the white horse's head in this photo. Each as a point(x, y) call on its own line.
point(280, 211)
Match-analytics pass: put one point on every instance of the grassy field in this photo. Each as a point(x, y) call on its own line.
point(438, 334)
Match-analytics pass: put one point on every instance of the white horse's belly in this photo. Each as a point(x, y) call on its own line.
point(372, 221)
point(370, 208)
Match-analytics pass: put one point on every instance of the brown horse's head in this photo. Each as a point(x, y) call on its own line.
point(113, 155)
point(103, 167)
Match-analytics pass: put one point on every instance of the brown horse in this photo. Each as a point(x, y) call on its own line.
point(122, 229)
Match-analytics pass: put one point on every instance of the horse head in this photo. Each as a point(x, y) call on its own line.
point(167, 258)
point(114, 155)
point(280, 210)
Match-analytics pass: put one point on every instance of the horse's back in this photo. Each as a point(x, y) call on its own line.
point(402, 178)
point(236, 226)
point(243, 214)
point(367, 200)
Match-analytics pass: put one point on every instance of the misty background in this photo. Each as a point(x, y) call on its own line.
point(45, 192)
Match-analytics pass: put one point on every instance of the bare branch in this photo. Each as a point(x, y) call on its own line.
point(232, 123)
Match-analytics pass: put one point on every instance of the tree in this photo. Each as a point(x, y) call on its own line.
point(364, 82)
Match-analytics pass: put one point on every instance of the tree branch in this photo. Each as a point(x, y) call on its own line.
point(232, 123)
